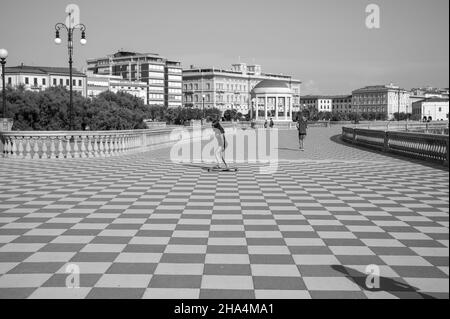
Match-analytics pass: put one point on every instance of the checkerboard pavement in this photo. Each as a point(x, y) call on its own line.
point(139, 226)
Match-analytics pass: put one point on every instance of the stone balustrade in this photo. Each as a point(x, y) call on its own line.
point(83, 144)
point(417, 145)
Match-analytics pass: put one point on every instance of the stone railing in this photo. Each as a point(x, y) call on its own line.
point(418, 145)
point(82, 144)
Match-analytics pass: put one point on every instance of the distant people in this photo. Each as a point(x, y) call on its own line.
point(266, 124)
point(271, 123)
point(302, 126)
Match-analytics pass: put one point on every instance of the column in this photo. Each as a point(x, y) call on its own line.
point(257, 107)
point(265, 107)
point(286, 108)
point(290, 107)
point(276, 108)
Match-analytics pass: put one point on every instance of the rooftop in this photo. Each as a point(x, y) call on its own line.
point(42, 70)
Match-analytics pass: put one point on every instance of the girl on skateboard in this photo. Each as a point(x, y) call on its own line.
point(222, 143)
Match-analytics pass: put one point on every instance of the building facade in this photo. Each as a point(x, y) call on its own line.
point(342, 104)
point(37, 78)
point(163, 77)
point(317, 102)
point(385, 99)
point(230, 89)
point(97, 84)
point(433, 109)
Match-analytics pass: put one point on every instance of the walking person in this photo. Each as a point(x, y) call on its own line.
point(271, 123)
point(222, 144)
point(302, 126)
point(266, 124)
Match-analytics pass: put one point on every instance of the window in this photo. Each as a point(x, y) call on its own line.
point(9, 81)
point(54, 82)
point(61, 82)
point(43, 82)
point(80, 83)
point(440, 109)
point(74, 82)
point(208, 86)
point(27, 81)
point(67, 82)
point(196, 86)
point(35, 82)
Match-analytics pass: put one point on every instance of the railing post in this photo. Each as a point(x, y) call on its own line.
point(354, 136)
point(386, 141)
point(447, 150)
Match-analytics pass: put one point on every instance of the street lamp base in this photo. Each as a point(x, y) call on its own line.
point(6, 124)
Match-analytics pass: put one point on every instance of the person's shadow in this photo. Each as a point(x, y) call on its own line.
point(389, 285)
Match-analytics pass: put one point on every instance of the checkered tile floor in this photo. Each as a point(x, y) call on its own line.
point(139, 226)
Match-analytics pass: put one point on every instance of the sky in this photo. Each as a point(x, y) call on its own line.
point(324, 43)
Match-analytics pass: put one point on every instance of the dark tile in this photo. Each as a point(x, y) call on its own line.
point(271, 259)
point(59, 280)
point(16, 293)
point(36, 268)
point(226, 294)
point(132, 268)
point(116, 293)
point(278, 283)
point(175, 281)
point(183, 258)
point(94, 257)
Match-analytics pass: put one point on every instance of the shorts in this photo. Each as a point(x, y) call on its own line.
point(301, 136)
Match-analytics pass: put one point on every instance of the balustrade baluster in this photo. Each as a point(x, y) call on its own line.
point(60, 147)
point(44, 148)
point(68, 148)
point(95, 146)
point(20, 147)
point(35, 147)
point(27, 148)
point(76, 149)
point(89, 146)
point(83, 146)
point(101, 146)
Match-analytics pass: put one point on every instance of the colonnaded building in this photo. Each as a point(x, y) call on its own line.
point(163, 77)
point(233, 89)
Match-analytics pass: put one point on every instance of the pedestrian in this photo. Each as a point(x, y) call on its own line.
point(266, 124)
point(302, 126)
point(271, 123)
point(222, 144)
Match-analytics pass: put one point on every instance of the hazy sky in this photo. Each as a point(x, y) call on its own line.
point(324, 43)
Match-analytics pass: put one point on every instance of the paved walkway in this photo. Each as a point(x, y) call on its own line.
point(139, 226)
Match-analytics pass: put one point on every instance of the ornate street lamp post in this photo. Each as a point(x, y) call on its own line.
point(3, 56)
point(203, 108)
point(70, 31)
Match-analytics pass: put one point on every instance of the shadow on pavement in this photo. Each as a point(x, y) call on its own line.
point(338, 139)
point(389, 285)
point(288, 149)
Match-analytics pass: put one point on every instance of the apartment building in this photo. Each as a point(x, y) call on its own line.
point(39, 78)
point(97, 84)
point(317, 102)
point(387, 99)
point(163, 77)
point(433, 109)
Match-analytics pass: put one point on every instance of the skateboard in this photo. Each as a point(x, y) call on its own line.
point(215, 169)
